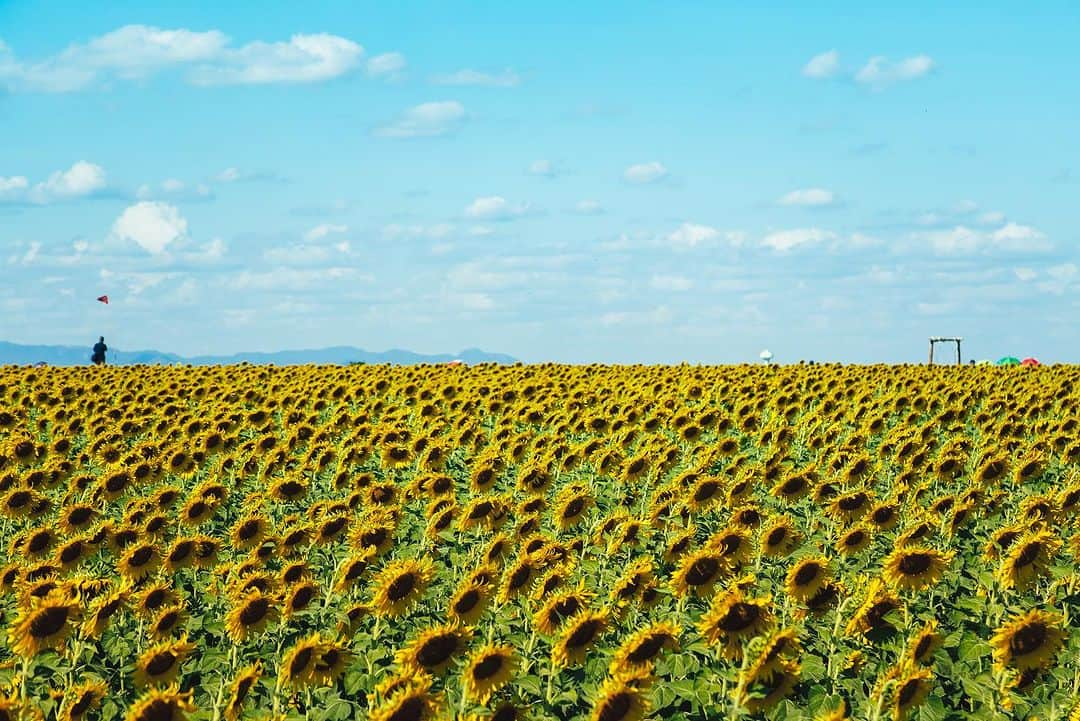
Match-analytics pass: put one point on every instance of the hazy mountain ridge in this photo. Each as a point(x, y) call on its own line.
point(14, 353)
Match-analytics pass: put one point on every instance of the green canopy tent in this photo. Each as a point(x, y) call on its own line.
point(1008, 361)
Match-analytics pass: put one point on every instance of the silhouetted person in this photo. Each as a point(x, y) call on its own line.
point(99, 352)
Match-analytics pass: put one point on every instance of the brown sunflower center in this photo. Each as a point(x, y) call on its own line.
point(573, 508)
point(437, 650)
point(1028, 555)
point(160, 663)
point(159, 710)
point(488, 667)
point(1028, 639)
point(923, 646)
point(776, 536)
point(741, 616)
point(907, 692)
point(617, 707)
point(914, 564)
point(300, 661)
point(467, 601)
point(49, 621)
point(648, 648)
point(702, 571)
point(806, 574)
point(141, 556)
point(401, 587)
point(584, 633)
point(254, 611)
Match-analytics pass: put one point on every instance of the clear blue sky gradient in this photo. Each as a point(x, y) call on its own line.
point(947, 198)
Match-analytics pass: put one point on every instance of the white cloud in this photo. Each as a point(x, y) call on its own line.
point(825, 65)
point(962, 239)
point(151, 225)
point(1059, 278)
point(645, 172)
point(13, 185)
point(542, 167)
point(1025, 274)
point(785, 240)
point(397, 231)
point(80, 179)
point(495, 207)
point(671, 283)
point(134, 52)
point(506, 79)
point(809, 198)
point(292, 279)
point(387, 65)
point(176, 190)
point(692, 235)
point(588, 207)
point(1014, 235)
point(304, 59)
point(425, 120)
point(879, 73)
point(323, 230)
point(992, 217)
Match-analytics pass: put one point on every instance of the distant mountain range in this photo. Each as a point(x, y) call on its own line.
point(13, 353)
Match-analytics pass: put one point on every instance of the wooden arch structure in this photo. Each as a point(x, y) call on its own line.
point(936, 340)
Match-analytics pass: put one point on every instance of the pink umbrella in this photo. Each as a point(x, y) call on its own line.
point(1031, 362)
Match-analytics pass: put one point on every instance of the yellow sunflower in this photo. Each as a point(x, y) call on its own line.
point(915, 568)
point(489, 669)
point(161, 663)
point(644, 646)
point(618, 699)
point(434, 648)
point(577, 635)
point(807, 577)
point(161, 703)
point(249, 615)
point(1028, 640)
point(43, 623)
point(400, 584)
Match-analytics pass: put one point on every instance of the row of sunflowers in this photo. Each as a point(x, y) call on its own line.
point(539, 542)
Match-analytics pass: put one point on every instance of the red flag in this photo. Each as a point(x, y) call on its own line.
point(103, 299)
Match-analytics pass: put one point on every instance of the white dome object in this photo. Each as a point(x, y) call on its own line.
point(766, 355)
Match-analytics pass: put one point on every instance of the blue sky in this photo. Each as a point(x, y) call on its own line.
point(619, 182)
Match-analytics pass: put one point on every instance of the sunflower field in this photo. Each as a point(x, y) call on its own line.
point(539, 542)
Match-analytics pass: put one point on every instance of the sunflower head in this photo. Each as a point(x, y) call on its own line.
point(489, 669)
point(1028, 640)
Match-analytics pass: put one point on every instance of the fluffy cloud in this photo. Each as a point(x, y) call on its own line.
point(506, 79)
point(809, 197)
point(134, 52)
point(962, 239)
point(175, 190)
point(645, 172)
point(785, 240)
point(80, 180)
point(397, 231)
point(387, 65)
point(879, 72)
point(153, 226)
point(825, 65)
point(495, 207)
point(323, 230)
point(691, 235)
point(425, 120)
